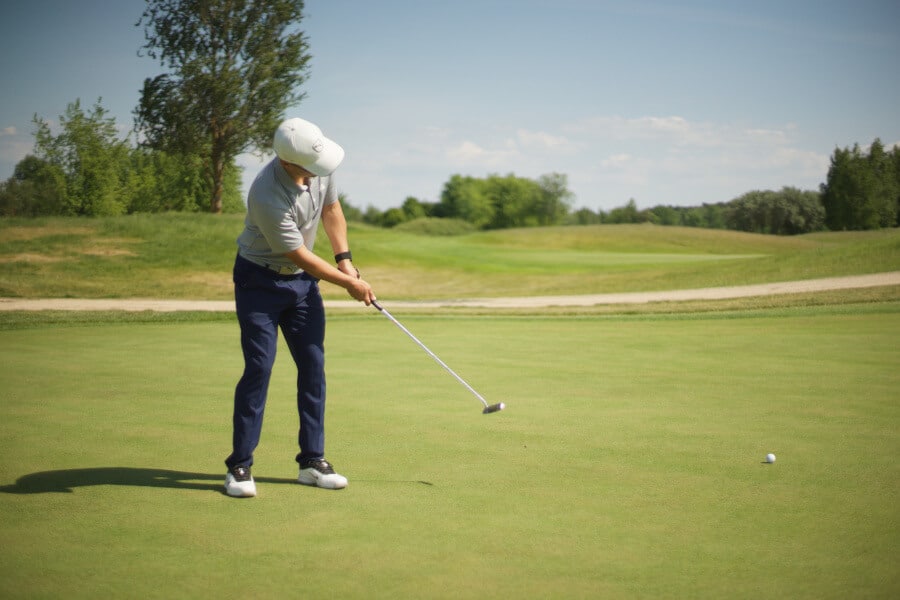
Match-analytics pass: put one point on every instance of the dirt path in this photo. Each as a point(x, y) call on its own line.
point(718, 293)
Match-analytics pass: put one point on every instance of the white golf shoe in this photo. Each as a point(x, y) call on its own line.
point(320, 473)
point(239, 482)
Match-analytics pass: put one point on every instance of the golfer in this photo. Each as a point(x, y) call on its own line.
point(276, 279)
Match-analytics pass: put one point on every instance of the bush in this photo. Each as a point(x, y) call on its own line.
point(436, 227)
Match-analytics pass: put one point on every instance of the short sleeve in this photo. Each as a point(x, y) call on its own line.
point(274, 220)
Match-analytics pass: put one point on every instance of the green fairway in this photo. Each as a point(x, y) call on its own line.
point(190, 256)
point(628, 464)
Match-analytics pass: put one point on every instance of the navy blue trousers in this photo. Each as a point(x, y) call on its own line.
point(265, 303)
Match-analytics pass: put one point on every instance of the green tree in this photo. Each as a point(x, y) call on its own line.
point(413, 209)
point(464, 198)
point(788, 212)
point(90, 155)
point(628, 214)
point(393, 217)
point(372, 216)
point(584, 216)
point(156, 181)
point(884, 187)
point(499, 202)
point(514, 200)
point(895, 160)
point(804, 212)
point(555, 199)
point(861, 189)
point(37, 188)
point(666, 215)
point(234, 66)
point(351, 212)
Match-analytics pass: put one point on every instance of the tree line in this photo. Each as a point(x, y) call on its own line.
point(87, 170)
point(495, 202)
point(862, 191)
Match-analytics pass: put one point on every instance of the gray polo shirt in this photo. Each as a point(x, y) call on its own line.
point(282, 216)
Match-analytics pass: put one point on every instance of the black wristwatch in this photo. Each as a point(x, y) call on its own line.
point(343, 256)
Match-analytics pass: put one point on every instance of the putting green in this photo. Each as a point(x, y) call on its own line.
point(629, 461)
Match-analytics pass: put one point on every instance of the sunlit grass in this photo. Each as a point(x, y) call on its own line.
point(628, 464)
point(190, 256)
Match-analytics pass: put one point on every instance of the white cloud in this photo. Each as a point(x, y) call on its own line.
point(671, 159)
point(539, 140)
point(7, 131)
point(466, 152)
point(473, 155)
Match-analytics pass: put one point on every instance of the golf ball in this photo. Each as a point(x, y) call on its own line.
point(770, 458)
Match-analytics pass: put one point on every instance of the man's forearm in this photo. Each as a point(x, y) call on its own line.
point(319, 268)
point(322, 269)
point(335, 226)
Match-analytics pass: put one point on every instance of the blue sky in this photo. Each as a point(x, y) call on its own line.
point(665, 102)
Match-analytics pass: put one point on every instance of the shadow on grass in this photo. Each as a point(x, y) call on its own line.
point(65, 481)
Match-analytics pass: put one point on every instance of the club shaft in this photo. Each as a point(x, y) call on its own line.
point(430, 353)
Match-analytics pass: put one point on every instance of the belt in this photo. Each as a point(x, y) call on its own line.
point(283, 270)
point(276, 269)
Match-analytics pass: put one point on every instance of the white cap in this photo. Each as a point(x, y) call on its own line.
point(302, 143)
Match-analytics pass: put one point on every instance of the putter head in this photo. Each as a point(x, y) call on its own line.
point(493, 408)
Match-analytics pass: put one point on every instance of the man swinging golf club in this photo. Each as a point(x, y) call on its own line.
point(276, 279)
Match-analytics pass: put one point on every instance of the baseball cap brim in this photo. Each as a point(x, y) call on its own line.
point(302, 143)
point(327, 161)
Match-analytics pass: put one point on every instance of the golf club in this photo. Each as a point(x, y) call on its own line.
point(487, 408)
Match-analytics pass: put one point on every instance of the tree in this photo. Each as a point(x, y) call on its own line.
point(393, 217)
point(90, 156)
point(500, 202)
point(351, 212)
point(666, 215)
point(628, 214)
point(585, 216)
point(555, 199)
point(895, 159)
point(157, 181)
point(884, 184)
point(464, 198)
point(513, 199)
point(861, 190)
point(789, 212)
point(37, 188)
point(235, 68)
point(413, 209)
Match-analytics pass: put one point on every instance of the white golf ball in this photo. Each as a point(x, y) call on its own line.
point(770, 458)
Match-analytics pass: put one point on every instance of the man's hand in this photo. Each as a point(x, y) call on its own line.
point(318, 268)
point(362, 291)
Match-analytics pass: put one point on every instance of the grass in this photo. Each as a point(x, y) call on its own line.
point(628, 463)
point(190, 256)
